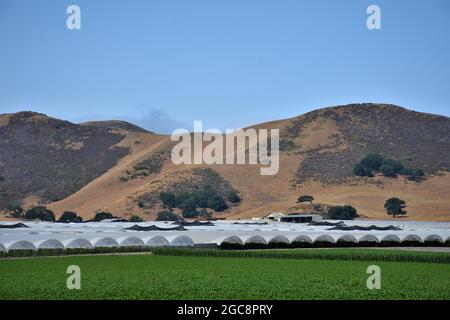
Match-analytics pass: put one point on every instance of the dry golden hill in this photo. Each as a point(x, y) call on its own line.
point(318, 153)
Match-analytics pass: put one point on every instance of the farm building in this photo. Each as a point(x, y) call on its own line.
point(301, 218)
point(274, 216)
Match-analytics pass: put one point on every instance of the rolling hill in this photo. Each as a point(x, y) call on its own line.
point(121, 168)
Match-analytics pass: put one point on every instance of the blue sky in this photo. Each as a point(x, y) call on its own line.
point(231, 63)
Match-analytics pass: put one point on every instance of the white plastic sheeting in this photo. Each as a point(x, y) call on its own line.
point(20, 245)
point(369, 238)
point(348, 238)
point(391, 238)
point(83, 235)
point(156, 241)
point(325, 238)
point(49, 244)
point(303, 239)
point(280, 239)
point(413, 238)
point(434, 238)
point(230, 240)
point(106, 242)
point(256, 240)
point(2, 248)
point(130, 242)
point(78, 243)
point(182, 241)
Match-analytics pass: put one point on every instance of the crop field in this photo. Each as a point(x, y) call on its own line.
point(166, 275)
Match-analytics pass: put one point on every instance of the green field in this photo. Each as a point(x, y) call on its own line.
point(147, 276)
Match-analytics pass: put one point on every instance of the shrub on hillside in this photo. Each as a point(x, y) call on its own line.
point(373, 161)
point(395, 207)
point(343, 213)
point(102, 215)
point(15, 211)
point(167, 216)
point(218, 204)
point(189, 214)
point(305, 198)
point(233, 197)
point(40, 213)
point(388, 171)
point(168, 199)
point(189, 202)
point(69, 216)
point(388, 167)
point(135, 218)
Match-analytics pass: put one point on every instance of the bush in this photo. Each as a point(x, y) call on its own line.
point(69, 216)
point(343, 213)
point(396, 166)
point(190, 213)
point(305, 198)
point(395, 207)
point(189, 202)
point(388, 167)
point(168, 199)
point(102, 215)
point(15, 212)
point(359, 170)
point(188, 205)
point(205, 213)
point(233, 197)
point(167, 216)
point(135, 218)
point(40, 213)
point(218, 204)
point(373, 161)
point(388, 171)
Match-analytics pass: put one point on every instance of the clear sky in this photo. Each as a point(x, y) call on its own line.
point(231, 63)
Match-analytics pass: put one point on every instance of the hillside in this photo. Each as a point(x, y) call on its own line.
point(318, 152)
point(49, 159)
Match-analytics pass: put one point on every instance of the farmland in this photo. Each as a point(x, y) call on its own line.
point(166, 275)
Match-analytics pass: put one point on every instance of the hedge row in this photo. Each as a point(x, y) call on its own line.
point(339, 254)
point(65, 252)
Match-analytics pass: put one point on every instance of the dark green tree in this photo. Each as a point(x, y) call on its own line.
point(388, 171)
point(15, 211)
point(233, 197)
point(395, 207)
point(135, 218)
point(189, 204)
point(40, 213)
point(167, 216)
point(102, 215)
point(205, 213)
point(190, 213)
point(372, 161)
point(218, 204)
point(396, 166)
point(305, 198)
point(168, 199)
point(69, 216)
point(343, 213)
point(359, 170)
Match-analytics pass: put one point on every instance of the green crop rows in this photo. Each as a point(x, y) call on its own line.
point(147, 276)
